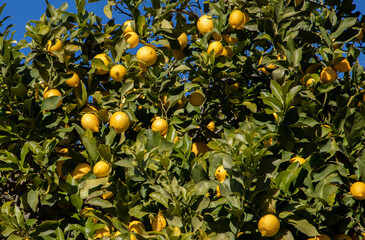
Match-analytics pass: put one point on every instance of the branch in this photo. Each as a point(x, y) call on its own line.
point(121, 11)
point(191, 14)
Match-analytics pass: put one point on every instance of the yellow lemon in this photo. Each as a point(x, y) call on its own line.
point(132, 38)
point(137, 227)
point(220, 173)
point(196, 98)
point(128, 26)
point(357, 190)
point(102, 232)
point(80, 170)
point(342, 237)
point(263, 69)
point(183, 40)
point(328, 74)
point(310, 82)
point(268, 225)
point(54, 48)
point(107, 195)
point(164, 99)
point(74, 80)
point(102, 57)
point(199, 148)
point(341, 64)
point(227, 52)
point(230, 40)
point(90, 121)
point(211, 126)
point(158, 223)
point(217, 47)
point(147, 55)
point(297, 159)
point(320, 237)
point(178, 54)
point(237, 19)
point(217, 189)
point(101, 169)
point(51, 93)
point(117, 72)
point(205, 24)
point(120, 122)
point(160, 125)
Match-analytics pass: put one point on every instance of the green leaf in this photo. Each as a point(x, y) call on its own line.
point(108, 11)
point(141, 22)
point(50, 103)
point(90, 144)
point(33, 199)
point(354, 127)
point(160, 199)
point(100, 203)
point(303, 225)
point(276, 91)
point(344, 24)
point(138, 212)
point(127, 86)
point(76, 201)
point(325, 36)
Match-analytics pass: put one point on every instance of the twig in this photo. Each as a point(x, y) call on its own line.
point(191, 14)
point(123, 12)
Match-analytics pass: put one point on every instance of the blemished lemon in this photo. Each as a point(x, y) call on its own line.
point(101, 169)
point(227, 52)
point(196, 98)
point(237, 19)
point(205, 24)
point(268, 225)
point(128, 26)
point(320, 237)
point(211, 126)
point(80, 170)
point(199, 148)
point(103, 57)
point(230, 40)
point(120, 121)
point(147, 55)
point(90, 121)
point(178, 54)
point(54, 48)
point(328, 74)
point(137, 227)
point(117, 72)
point(158, 223)
point(357, 190)
point(217, 47)
point(132, 38)
point(297, 159)
point(220, 173)
point(183, 40)
point(102, 232)
point(341, 64)
point(74, 80)
point(342, 237)
point(160, 125)
point(53, 92)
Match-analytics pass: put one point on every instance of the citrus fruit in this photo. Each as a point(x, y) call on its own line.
point(196, 98)
point(90, 121)
point(101, 169)
point(183, 40)
point(107, 195)
point(211, 126)
point(263, 69)
point(119, 121)
point(328, 74)
point(320, 237)
point(230, 40)
point(217, 47)
point(158, 223)
point(205, 24)
point(227, 52)
point(117, 72)
point(218, 190)
point(132, 38)
point(54, 48)
point(216, 36)
point(160, 125)
point(80, 170)
point(297, 159)
point(147, 55)
point(237, 19)
point(182, 102)
point(199, 148)
point(164, 100)
point(220, 173)
point(178, 54)
point(59, 167)
point(128, 26)
point(102, 232)
point(342, 237)
point(102, 57)
point(74, 80)
point(357, 190)
point(341, 64)
point(268, 225)
point(310, 82)
point(137, 227)
point(231, 88)
point(51, 93)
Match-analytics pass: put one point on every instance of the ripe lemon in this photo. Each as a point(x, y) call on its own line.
point(160, 125)
point(227, 52)
point(103, 57)
point(211, 126)
point(297, 159)
point(74, 80)
point(137, 227)
point(310, 82)
point(90, 121)
point(132, 38)
point(199, 148)
point(220, 173)
point(320, 237)
point(86, 212)
point(107, 195)
point(54, 48)
point(268, 225)
point(80, 170)
point(51, 93)
point(328, 74)
point(263, 69)
point(128, 26)
point(217, 189)
point(341, 64)
point(357, 190)
point(117, 72)
point(120, 122)
point(178, 54)
point(101, 169)
point(230, 40)
point(196, 98)
point(147, 55)
point(237, 19)
point(205, 24)
point(217, 47)
point(102, 232)
point(342, 237)
point(164, 100)
point(158, 223)
point(183, 40)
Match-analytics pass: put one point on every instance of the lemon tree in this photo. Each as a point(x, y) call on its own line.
point(237, 119)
